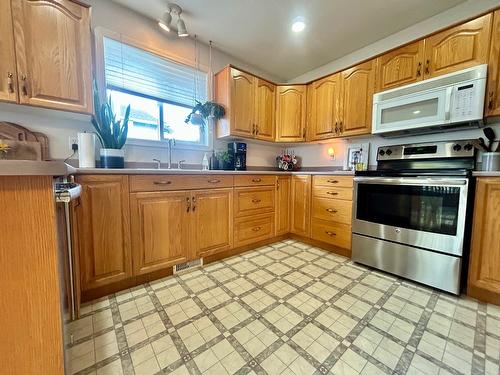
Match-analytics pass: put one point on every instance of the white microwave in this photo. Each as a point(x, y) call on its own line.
point(449, 101)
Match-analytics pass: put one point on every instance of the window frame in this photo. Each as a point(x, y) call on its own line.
point(100, 34)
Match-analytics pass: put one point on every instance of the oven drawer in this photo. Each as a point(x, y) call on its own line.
point(336, 234)
point(253, 229)
point(178, 182)
point(253, 200)
point(332, 192)
point(254, 180)
point(336, 210)
point(333, 181)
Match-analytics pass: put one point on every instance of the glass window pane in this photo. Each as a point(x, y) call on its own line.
point(144, 121)
point(175, 127)
point(425, 108)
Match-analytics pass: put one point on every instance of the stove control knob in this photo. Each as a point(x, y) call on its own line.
point(457, 147)
point(389, 151)
point(468, 147)
point(381, 152)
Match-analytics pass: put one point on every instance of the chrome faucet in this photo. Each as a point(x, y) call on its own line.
point(158, 163)
point(179, 163)
point(171, 143)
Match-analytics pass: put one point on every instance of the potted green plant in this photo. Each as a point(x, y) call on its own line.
point(201, 112)
point(224, 159)
point(112, 133)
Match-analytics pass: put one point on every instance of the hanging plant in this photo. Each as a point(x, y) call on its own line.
point(201, 112)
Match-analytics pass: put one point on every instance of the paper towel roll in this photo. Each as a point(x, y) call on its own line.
point(86, 150)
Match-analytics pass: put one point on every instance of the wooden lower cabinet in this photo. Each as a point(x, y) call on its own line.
point(492, 107)
point(160, 229)
point(484, 265)
point(104, 227)
point(251, 229)
point(253, 200)
point(331, 232)
point(283, 193)
point(300, 205)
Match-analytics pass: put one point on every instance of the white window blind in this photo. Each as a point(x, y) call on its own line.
point(142, 72)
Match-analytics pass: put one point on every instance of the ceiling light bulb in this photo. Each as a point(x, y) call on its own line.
point(165, 22)
point(181, 28)
point(298, 25)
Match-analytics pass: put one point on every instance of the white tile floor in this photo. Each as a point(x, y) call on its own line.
point(285, 309)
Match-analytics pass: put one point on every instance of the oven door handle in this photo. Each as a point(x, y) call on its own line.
point(411, 181)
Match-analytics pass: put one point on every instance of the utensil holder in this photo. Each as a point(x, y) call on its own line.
point(491, 161)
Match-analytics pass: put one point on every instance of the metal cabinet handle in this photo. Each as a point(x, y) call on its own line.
point(162, 182)
point(340, 127)
point(277, 184)
point(10, 84)
point(194, 203)
point(419, 69)
point(332, 181)
point(332, 193)
point(24, 88)
point(427, 62)
point(256, 179)
point(332, 210)
point(331, 234)
point(256, 129)
point(304, 133)
point(336, 127)
point(213, 181)
point(256, 229)
point(256, 200)
point(491, 95)
point(188, 204)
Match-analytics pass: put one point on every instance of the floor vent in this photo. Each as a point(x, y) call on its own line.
point(183, 267)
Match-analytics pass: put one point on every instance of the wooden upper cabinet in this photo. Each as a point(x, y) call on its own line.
point(324, 109)
point(104, 226)
point(457, 48)
point(400, 67)
point(265, 109)
point(492, 107)
point(283, 196)
point(291, 113)
point(8, 75)
point(160, 230)
point(242, 103)
point(212, 221)
point(53, 54)
point(484, 264)
point(358, 86)
point(300, 205)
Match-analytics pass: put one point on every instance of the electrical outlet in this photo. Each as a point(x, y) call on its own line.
point(72, 141)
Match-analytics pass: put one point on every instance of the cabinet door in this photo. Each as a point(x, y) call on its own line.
point(400, 67)
point(484, 270)
point(358, 87)
point(283, 191)
point(160, 230)
point(291, 113)
point(8, 77)
point(265, 99)
point(242, 104)
point(301, 205)
point(212, 221)
point(492, 107)
point(104, 227)
point(325, 96)
point(53, 54)
point(457, 48)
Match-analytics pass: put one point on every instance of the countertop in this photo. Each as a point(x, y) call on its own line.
point(35, 168)
point(486, 173)
point(197, 171)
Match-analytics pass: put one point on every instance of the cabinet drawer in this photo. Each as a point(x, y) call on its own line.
point(252, 229)
point(333, 233)
point(332, 209)
point(178, 182)
point(254, 180)
point(333, 192)
point(252, 201)
point(337, 181)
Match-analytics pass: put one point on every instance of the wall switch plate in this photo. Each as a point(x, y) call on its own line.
point(72, 140)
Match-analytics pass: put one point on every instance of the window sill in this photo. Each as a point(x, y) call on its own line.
point(179, 145)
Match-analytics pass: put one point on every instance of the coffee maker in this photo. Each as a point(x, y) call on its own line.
point(238, 152)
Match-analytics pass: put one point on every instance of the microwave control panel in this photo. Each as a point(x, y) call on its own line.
point(464, 101)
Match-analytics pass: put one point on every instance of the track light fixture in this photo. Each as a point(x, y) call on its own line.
point(174, 10)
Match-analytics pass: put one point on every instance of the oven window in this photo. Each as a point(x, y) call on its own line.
point(424, 208)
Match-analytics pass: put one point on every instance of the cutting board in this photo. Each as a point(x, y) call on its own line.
point(23, 143)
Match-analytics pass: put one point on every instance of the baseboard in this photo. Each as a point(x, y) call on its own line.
point(322, 245)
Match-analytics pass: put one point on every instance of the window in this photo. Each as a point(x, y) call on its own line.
point(160, 92)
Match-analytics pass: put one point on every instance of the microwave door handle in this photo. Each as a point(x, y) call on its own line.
point(447, 103)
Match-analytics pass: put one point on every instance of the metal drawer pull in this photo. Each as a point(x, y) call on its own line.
point(331, 234)
point(10, 84)
point(332, 181)
point(162, 182)
point(188, 203)
point(332, 210)
point(256, 200)
point(256, 180)
point(213, 181)
point(332, 193)
point(194, 203)
point(24, 88)
point(256, 229)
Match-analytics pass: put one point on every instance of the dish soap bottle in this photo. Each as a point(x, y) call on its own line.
point(204, 163)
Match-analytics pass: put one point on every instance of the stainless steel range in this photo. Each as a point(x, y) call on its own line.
point(411, 215)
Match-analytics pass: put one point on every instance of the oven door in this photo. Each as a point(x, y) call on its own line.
point(423, 212)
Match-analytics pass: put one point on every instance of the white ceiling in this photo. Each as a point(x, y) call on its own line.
point(258, 31)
